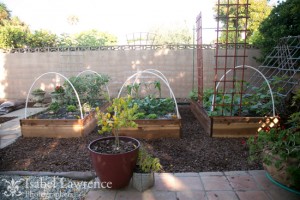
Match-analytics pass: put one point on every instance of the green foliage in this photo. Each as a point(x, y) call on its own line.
point(140, 116)
point(151, 116)
point(193, 95)
point(90, 88)
point(54, 107)
point(16, 34)
point(4, 13)
point(147, 163)
point(281, 141)
point(71, 108)
point(149, 87)
point(283, 21)
point(157, 85)
point(119, 114)
point(255, 103)
point(37, 91)
point(150, 105)
point(258, 11)
point(42, 38)
point(13, 34)
point(92, 38)
point(133, 89)
point(178, 33)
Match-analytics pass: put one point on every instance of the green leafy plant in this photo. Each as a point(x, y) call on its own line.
point(148, 87)
point(157, 85)
point(38, 91)
point(90, 88)
point(193, 95)
point(119, 114)
point(140, 115)
point(280, 141)
point(150, 105)
point(152, 116)
point(256, 102)
point(134, 89)
point(147, 163)
point(71, 108)
point(54, 107)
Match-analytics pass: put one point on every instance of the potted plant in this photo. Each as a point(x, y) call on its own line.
point(114, 157)
point(38, 96)
point(58, 95)
point(143, 175)
point(279, 149)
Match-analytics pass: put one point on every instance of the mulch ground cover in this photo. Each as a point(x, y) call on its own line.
point(194, 152)
point(6, 119)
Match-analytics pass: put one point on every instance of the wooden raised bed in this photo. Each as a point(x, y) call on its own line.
point(154, 129)
point(226, 126)
point(59, 128)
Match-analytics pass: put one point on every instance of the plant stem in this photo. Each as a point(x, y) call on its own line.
point(117, 140)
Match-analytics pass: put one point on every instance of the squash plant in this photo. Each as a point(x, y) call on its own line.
point(256, 102)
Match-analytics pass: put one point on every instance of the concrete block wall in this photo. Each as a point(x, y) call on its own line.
point(20, 70)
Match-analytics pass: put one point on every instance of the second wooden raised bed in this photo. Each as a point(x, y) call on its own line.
point(154, 129)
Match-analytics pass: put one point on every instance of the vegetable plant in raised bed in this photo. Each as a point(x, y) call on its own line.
point(222, 120)
point(90, 88)
point(156, 117)
point(64, 118)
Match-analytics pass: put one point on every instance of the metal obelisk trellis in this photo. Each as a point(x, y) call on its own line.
point(230, 53)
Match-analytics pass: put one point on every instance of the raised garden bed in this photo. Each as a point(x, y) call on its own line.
point(154, 129)
point(219, 126)
point(59, 128)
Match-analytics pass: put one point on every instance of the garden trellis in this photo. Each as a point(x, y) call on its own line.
point(230, 74)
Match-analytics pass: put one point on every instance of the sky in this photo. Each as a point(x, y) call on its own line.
point(118, 17)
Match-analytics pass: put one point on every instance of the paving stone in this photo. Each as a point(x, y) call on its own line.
point(216, 183)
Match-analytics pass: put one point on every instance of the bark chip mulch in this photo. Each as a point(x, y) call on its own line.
point(194, 152)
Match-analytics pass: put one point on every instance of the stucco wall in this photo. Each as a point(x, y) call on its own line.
point(20, 70)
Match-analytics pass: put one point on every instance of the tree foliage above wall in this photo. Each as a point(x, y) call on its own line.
point(16, 34)
point(283, 21)
point(258, 10)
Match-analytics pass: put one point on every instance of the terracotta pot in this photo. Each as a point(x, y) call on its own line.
point(280, 174)
point(115, 168)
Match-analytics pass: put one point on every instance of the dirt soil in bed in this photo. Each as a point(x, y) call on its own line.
point(194, 152)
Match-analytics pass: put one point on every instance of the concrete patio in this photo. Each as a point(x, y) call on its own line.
point(10, 130)
point(234, 185)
